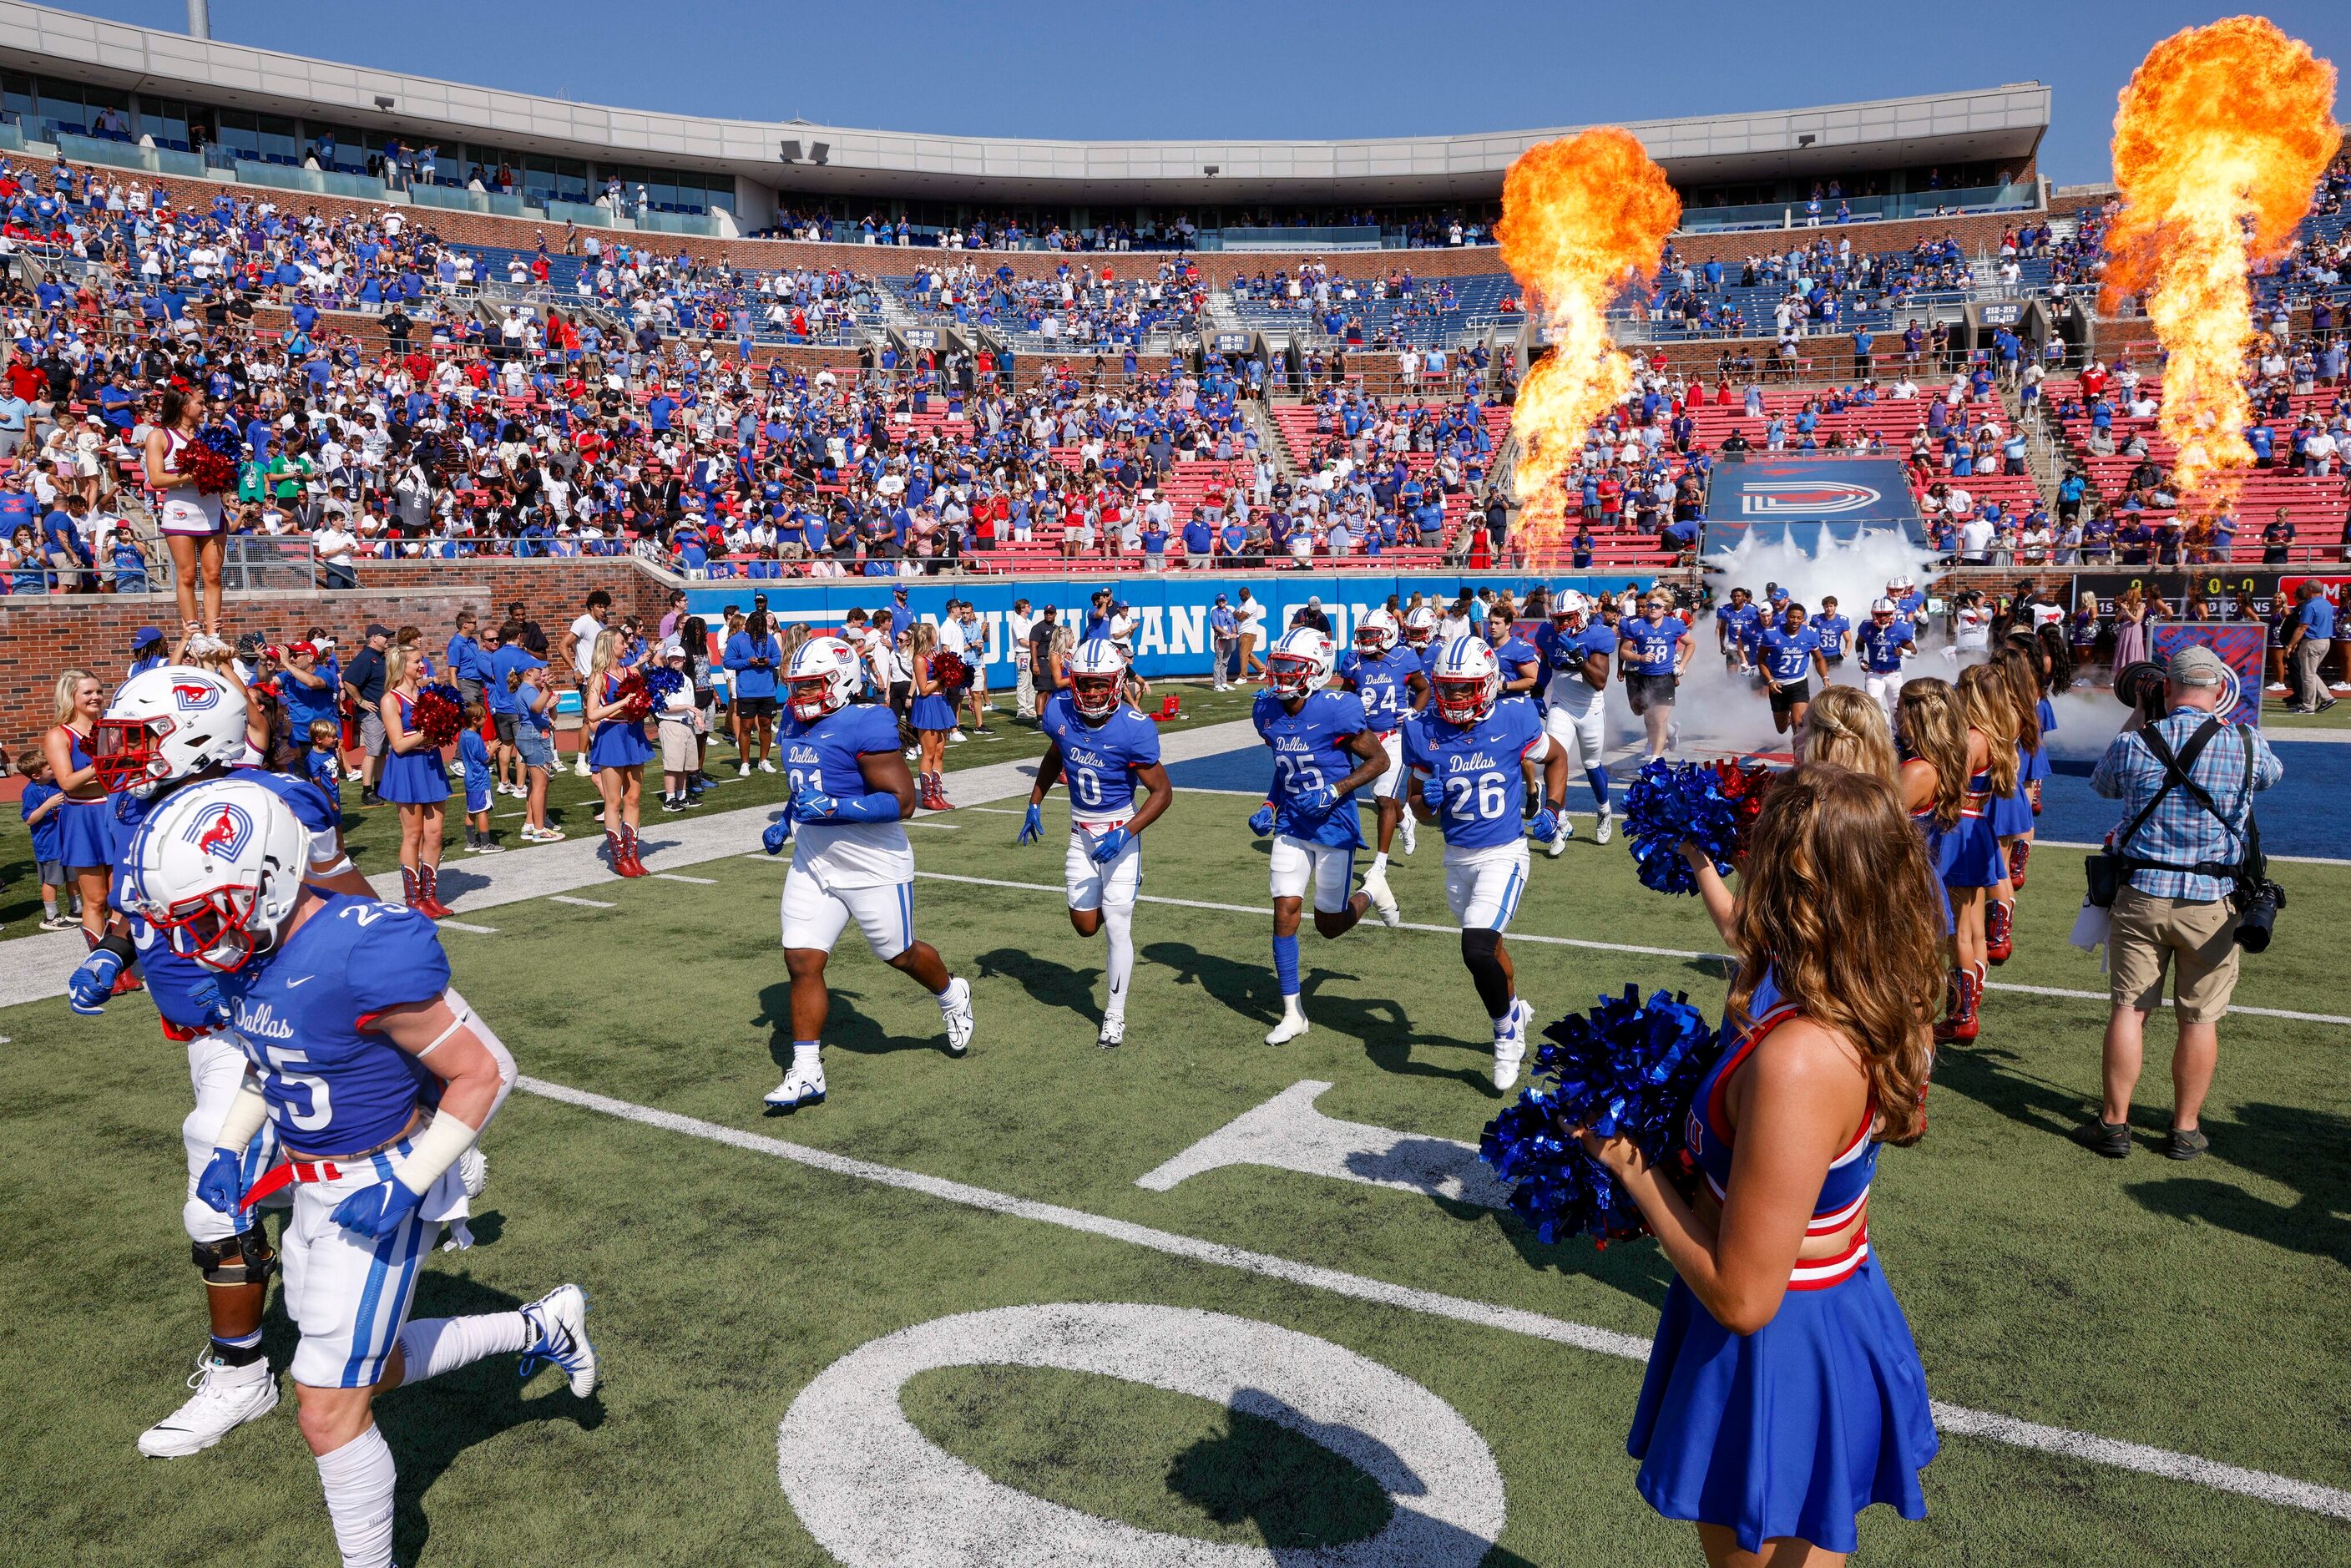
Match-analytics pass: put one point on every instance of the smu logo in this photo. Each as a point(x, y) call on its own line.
point(1806, 498)
point(222, 832)
point(193, 697)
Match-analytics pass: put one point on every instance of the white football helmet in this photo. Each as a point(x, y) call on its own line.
point(1300, 664)
point(165, 725)
point(1468, 678)
point(1572, 607)
point(216, 871)
point(823, 675)
point(1097, 672)
point(1377, 633)
point(1419, 627)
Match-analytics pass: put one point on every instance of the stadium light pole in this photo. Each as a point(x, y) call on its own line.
point(200, 18)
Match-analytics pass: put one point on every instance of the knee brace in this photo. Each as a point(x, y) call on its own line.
point(244, 1259)
point(1479, 952)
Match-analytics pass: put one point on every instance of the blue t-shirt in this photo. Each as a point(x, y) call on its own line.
point(49, 832)
point(1651, 648)
point(508, 660)
point(1881, 646)
point(304, 705)
point(1788, 656)
point(821, 753)
point(1100, 761)
point(2318, 619)
point(1309, 747)
point(1485, 788)
point(1385, 683)
point(475, 756)
point(1831, 630)
point(334, 1086)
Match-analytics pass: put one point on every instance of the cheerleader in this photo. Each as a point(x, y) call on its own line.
point(1784, 1393)
point(86, 818)
point(1937, 726)
point(417, 781)
point(1990, 705)
point(2020, 666)
point(932, 715)
point(191, 523)
point(1934, 763)
point(615, 714)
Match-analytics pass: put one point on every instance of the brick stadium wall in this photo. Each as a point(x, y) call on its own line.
point(40, 635)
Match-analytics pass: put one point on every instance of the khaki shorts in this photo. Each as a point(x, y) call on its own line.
point(2150, 934)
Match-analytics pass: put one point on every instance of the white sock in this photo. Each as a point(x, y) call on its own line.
point(1118, 922)
point(358, 1478)
point(808, 1056)
point(1380, 860)
point(431, 1346)
point(1503, 1022)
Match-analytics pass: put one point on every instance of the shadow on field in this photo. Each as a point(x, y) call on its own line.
point(1284, 1474)
point(1979, 1071)
point(1054, 985)
point(2300, 1149)
point(430, 1424)
point(844, 1028)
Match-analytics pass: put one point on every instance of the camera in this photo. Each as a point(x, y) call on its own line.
point(2259, 903)
point(2140, 686)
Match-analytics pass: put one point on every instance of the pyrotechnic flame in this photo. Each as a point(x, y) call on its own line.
point(2220, 141)
point(1579, 215)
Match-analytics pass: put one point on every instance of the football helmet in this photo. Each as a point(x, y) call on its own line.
point(1377, 633)
point(1419, 627)
point(217, 870)
point(1572, 607)
point(165, 725)
point(1468, 678)
point(1097, 671)
point(1300, 664)
point(821, 678)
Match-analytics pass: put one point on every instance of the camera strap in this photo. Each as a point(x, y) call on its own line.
point(2177, 777)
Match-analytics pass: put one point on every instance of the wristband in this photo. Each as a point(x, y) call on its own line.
point(434, 1150)
point(119, 946)
point(245, 1115)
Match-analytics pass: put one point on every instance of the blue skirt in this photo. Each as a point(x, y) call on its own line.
point(1790, 1431)
point(1971, 855)
point(87, 832)
point(2033, 767)
point(933, 711)
point(2012, 815)
point(415, 777)
point(621, 744)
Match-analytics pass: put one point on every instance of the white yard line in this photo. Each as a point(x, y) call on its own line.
point(579, 902)
point(2284, 1490)
point(697, 881)
point(470, 930)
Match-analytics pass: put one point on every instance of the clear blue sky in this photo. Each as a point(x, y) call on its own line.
point(1217, 67)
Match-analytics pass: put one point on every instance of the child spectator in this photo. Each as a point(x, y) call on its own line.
point(323, 763)
point(40, 809)
point(474, 752)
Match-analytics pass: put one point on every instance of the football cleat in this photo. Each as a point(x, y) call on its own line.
point(1375, 882)
point(561, 1317)
point(1409, 826)
point(1607, 829)
point(1113, 1031)
point(225, 1398)
point(1511, 1044)
point(1558, 845)
point(1292, 1026)
point(474, 1170)
point(802, 1086)
point(955, 1006)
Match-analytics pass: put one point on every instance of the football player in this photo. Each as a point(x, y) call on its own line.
point(1469, 749)
point(1575, 651)
point(169, 727)
point(1789, 654)
point(846, 822)
point(1389, 677)
point(1324, 748)
point(1103, 747)
point(1885, 640)
point(377, 1079)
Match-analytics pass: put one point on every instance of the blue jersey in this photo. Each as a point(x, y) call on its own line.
point(1309, 747)
point(1831, 630)
point(1907, 608)
point(1485, 789)
point(476, 755)
point(1383, 682)
point(1737, 624)
point(1564, 653)
point(306, 1011)
point(1651, 649)
point(821, 753)
point(1100, 761)
point(1788, 656)
point(49, 832)
point(1514, 654)
point(172, 978)
point(1881, 646)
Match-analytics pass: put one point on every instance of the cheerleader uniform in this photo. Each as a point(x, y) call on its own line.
point(1939, 846)
point(1795, 1429)
point(86, 827)
point(2011, 814)
point(415, 777)
point(932, 710)
point(1972, 858)
point(620, 742)
point(2037, 771)
point(185, 513)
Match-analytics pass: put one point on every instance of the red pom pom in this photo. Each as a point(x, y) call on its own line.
point(630, 701)
point(439, 715)
point(950, 670)
point(209, 471)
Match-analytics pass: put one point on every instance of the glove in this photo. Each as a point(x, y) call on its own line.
point(813, 806)
point(94, 982)
point(1432, 794)
point(1261, 820)
point(779, 833)
point(205, 992)
point(377, 1211)
point(1106, 848)
point(1546, 825)
point(1033, 826)
point(1316, 799)
point(223, 1182)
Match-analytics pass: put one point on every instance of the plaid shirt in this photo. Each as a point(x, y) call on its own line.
point(2180, 831)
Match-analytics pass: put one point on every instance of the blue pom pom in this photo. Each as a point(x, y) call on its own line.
point(1709, 804)
point(1627, 1069)
point(662, 682)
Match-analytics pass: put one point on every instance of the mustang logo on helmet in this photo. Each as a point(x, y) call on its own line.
point(224, 834)
point(193, 697)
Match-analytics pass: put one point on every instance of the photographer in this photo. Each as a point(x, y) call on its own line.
point(2185, 846)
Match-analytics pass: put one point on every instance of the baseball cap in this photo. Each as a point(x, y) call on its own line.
point(2197, 666)
point(144, 635)
point(378, 628)
point(303, 647)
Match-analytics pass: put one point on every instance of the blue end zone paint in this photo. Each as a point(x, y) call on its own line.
point(1808, 501)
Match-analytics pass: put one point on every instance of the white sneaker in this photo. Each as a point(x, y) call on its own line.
point(1410, 828)
point(767, 764)
point(1292, 1025)
point(1558, 845)
point(1383, 902)
point(226, 1398)
point(955, 1006)
point(474, 1170)
point(560, 1316)
point(1113, 1031)
point(1511, 1044)
point(913, 754)
point(579, 766)
point(1607, 829)
point(802, 1086)
point(742, 770)
point(956, 737)
point(1672, 736)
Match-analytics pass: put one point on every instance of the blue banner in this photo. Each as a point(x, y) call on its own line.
point(1808, 500)
point(1171, 609)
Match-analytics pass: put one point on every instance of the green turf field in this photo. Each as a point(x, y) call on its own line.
point(2195, 1308)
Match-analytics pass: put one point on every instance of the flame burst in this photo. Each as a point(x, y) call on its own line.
point(2220, 141)
point(1578, 217)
